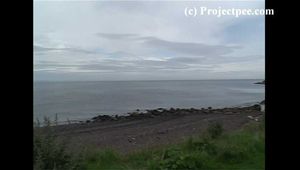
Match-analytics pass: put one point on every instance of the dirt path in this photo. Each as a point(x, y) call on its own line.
point(130, 135)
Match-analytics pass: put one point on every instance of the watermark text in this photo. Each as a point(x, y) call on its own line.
point(219, 12)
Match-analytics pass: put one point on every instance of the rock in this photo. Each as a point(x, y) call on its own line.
point(162, 132)
point(103, 118)
point(205, 111)
point(217, 112)
point(250, 117)
point(151, 116)
point(133, 113)
point(122, 117)
point(228, 113)
point(194, 110)
point(155, 112)
point(131, 140)
point(172, 110)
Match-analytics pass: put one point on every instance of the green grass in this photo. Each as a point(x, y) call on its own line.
point(239, 150)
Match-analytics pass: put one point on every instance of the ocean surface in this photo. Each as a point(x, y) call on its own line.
point(83, 100)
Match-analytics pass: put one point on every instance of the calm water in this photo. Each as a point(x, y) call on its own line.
point(82, 100)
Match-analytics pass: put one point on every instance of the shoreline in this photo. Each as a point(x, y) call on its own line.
point(153, 128)
point(149, 113)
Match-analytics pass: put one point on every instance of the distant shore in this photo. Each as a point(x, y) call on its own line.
point(261, 82)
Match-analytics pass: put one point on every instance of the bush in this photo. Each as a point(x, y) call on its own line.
point(200, 145)
point(175, 159)
point(233, 154)
point(50, 154)
point(215, 130)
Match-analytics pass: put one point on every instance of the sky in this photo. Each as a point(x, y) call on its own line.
point(145, 40)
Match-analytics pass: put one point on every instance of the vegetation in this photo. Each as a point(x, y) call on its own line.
point(242, 149)
point(49, 153)
point(215, 130)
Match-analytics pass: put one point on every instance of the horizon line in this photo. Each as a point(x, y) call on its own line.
point(141, 80)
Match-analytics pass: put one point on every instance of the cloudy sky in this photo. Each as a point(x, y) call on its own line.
point(101, 40)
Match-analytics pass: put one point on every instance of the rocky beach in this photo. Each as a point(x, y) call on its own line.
point(151, 128)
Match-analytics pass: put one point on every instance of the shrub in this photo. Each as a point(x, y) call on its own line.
point(200, 145)
point(233, 154)
point(50, 154)
point(177, 159)
point(215, 130)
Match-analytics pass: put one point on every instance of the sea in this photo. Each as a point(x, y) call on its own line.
point(76, 101)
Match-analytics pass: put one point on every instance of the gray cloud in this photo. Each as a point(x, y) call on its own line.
point(116, 36)
point(43, 49)
point(195, 49)
point(189, 48)
point(139, 65)
point(142, 40)
point(37, 48)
